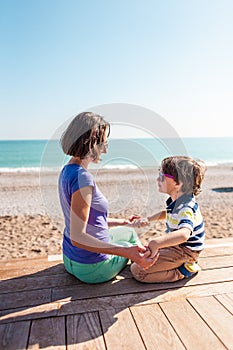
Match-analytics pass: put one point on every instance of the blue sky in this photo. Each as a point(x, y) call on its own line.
point(60, 57)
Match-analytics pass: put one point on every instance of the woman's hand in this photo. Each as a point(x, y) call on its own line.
point(142, 256)
point(133, 221)
point(112, 222)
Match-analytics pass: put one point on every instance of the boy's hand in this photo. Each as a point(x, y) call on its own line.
point(140, 222)
point(134, 217)
point(151, 256)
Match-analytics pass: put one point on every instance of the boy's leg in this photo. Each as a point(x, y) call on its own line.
point(156, 277)
point(165, 268)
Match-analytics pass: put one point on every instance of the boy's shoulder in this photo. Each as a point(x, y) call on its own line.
point(184, 202)
point(190, 203)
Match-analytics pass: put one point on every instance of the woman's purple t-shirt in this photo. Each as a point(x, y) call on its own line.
point(72, 178)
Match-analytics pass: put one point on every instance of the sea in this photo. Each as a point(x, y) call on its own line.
point(37, 155)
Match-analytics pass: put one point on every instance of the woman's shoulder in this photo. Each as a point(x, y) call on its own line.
point(78, 174)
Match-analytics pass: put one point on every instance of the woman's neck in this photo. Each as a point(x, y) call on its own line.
point(83, 162)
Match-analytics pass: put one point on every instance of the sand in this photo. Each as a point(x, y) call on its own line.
point(31, 222)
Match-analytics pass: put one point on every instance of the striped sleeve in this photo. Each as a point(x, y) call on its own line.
point(186, 218)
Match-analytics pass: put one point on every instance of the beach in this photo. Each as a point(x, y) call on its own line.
point(31, 222)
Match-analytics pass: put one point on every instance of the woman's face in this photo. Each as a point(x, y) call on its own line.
point(103, 147)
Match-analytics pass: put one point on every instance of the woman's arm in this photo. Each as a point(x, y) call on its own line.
point(112, 222)
point(80, 209)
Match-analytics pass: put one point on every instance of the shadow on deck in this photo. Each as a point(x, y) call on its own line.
point(43, 306)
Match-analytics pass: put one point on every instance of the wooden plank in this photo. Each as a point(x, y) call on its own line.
point(46, 270)
point(56, 279)
point(48, 333)
point(216, 262)
point(13, 282)
point(211, 242)
point(33, 269)
point(155, 329)
point(217, 251)
point(217, 317)
point(37, 278)
point(84, 332)
point(14, 335)
point(120, 331)
point(226, 300)
point(125, 286)
point(24, 262)
point(29, 313)
point(28, 298)
point(53, 277)
point(62, 308)
point(213, 247)
point(38, 282)
point(190, 327)
point(127, 300)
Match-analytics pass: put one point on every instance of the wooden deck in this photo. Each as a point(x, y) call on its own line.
point(42, 306)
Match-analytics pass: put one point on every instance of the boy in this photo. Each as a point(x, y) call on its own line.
point(181, 178)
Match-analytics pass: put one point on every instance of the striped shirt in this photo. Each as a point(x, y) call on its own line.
point(185, 212)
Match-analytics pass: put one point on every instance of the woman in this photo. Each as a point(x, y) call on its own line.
point(91, 251)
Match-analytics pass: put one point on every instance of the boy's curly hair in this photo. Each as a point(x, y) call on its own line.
point(187, 171)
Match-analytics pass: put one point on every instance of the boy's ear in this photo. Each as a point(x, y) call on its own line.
point(179, 186)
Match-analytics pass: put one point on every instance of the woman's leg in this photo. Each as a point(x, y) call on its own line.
point(124, 234)
point(96, 273)
point(107, 269)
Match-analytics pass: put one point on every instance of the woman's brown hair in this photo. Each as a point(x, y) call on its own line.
point(85, 135)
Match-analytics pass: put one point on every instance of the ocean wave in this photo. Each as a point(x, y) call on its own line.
point(120, 166)
point(29, 170)
point(100, 166)
point(219, 163)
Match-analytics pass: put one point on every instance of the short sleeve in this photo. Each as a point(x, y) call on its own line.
point(81, 179)
point(186, 218)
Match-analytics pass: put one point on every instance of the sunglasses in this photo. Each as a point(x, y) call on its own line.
point(162, 176)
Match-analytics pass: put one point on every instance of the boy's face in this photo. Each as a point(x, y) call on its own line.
point(167, 184)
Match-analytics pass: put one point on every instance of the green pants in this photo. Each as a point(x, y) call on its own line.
point(107, 269)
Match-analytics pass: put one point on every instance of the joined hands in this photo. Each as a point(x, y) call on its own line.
point(143, 256)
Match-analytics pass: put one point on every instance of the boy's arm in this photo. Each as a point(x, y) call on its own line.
point(158, 216)
point(145, 221)
point(169, 240)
